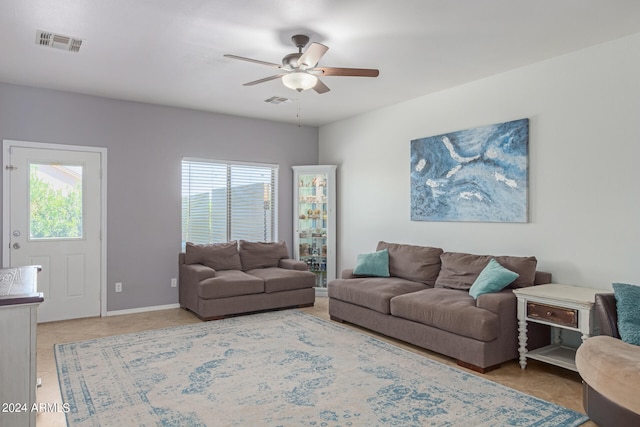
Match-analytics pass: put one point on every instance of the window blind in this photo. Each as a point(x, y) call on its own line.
point(224, 201)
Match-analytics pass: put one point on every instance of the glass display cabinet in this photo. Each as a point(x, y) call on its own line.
point(314, 213)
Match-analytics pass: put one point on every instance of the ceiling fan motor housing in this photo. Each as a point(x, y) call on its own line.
point(291, 60)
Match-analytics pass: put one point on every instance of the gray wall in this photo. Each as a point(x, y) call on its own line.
point(145, 145)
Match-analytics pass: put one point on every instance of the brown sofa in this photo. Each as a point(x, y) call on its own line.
point(425, 301)
point(610, 369)
point(232, 278)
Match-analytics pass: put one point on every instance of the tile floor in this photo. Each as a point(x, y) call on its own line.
point(544, 381)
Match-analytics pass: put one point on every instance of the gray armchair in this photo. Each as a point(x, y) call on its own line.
point(610, 369)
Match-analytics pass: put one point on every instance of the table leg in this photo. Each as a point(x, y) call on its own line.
point(522, 340)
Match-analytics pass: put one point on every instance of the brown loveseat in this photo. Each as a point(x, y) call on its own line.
point(426, 302)
point(231, 278)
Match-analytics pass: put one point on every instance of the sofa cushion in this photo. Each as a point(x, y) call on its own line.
point(460, 270)
point(449, 310)
point(219, 256)
point(262, 254)
point(373, 264)
point(279, 279)
point(492, 278)
point(230, 283)
point(417, 263)
point(372, 292)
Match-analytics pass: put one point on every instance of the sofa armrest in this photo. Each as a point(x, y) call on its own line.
point(500, 303)
point(542, 278)
point(192, 274)
point(347, 274)
point(292, 264)
point(607, 314)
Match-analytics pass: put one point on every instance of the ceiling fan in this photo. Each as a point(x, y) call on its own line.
point(299, 71)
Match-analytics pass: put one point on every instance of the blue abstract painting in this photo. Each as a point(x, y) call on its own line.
point(478, 174)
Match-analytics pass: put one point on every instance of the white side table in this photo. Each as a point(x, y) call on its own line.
point(562, 307)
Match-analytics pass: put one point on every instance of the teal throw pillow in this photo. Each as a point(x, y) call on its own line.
point(628, 308)
point(374, 264)
point(493, 278)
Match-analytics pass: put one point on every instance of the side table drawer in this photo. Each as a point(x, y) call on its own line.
point(553, 314)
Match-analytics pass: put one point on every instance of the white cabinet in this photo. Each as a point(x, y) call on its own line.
point(19, 302)
point(314, 213)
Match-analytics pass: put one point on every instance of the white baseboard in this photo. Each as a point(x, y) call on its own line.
point(321, 292)
point(142, 309)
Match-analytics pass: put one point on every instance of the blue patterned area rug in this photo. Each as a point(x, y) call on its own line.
point(282, 368)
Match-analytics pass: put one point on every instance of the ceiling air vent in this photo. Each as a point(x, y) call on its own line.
point(58, 41)
point(277, 100)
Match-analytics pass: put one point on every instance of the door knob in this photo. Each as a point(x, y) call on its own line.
point(16, 246)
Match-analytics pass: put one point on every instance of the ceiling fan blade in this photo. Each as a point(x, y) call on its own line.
point(266, 79)
point(255, 61)
point(352, 72)
point(312, 55)
point(321, 87)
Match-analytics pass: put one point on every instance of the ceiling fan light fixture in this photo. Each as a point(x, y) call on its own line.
point(299, 80)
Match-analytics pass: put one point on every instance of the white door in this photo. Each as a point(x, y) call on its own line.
point(55, 206)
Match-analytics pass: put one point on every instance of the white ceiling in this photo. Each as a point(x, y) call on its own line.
point(169, 52)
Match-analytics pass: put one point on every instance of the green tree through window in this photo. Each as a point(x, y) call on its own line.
point(55, 212)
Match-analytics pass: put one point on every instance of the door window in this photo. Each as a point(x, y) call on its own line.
point(55, 201)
